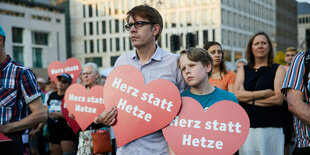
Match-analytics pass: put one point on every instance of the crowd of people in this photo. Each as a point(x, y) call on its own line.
point(270, 93)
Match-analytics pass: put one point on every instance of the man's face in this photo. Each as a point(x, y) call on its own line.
point(289, 55)
point(142, 36)
point(89, 76)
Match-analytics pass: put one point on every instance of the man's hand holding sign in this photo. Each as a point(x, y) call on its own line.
point(141, 109)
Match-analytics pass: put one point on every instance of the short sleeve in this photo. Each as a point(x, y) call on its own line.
point(29, 86)
point(294, 76)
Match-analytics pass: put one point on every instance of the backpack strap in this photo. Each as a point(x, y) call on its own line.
point(307, 69)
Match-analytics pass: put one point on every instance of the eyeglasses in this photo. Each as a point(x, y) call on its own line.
point(137, 24)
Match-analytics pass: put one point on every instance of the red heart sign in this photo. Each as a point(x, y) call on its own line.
point(222, 129)
point(142, 109)
point(72, 123)
point(72, 66)
point(4, 138)
point(84, 105)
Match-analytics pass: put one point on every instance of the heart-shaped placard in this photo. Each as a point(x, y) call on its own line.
point(84, 105)
point(72, 123)
point(4, 138)
point(142, 109)
point(72, 66)
point(222, 129)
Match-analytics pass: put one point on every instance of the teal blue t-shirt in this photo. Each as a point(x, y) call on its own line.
point(209, 99)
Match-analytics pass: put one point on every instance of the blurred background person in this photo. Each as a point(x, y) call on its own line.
point(257, 88)
point(90, 77)
point(220, 77)
point(62, 139)
point(290, 52)
point(240, 63)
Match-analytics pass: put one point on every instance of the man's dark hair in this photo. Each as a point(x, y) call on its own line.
point(149, 13)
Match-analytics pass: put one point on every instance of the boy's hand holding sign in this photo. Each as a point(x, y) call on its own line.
point(222, 129)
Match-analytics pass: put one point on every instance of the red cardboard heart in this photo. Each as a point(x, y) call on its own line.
point(222, 129)
point(142, 109)
point(84, 105)
point(3, 138)
point(72, 123)
point(72, 66)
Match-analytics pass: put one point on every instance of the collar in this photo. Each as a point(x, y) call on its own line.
point(157, 55)
point(6, 62)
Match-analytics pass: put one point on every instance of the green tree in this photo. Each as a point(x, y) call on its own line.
point(279, 58)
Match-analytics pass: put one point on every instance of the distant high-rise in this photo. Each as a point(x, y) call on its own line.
point(98, 34)
point(286, 24)
point(303, 26)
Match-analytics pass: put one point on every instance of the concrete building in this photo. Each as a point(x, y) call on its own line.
point(35, 32)
point(286, 24)
point(98, 34)
point(303, 26)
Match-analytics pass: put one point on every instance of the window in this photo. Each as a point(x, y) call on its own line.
point(96, 60)
point(18, 54)
point(205, 36)
point(98, 46)
point(17, 35)
point(37, 57)
point(124, 43)
point(111, 47)
point(103, 27)
point(213, 35)
point(113, 60)
point(130, 45)
point(91, 45)
point(85, 46)
point(39, 38)
point(90, 10)
point(110, 26)
point(97, 27)
point(84, 13)
point(116, 25)
point(90, 28)
point(104, 45)
point(117, 44)
point(85, 29)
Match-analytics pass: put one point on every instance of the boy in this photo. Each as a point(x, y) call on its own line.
point(196, 67)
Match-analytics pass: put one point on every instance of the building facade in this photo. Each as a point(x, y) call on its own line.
point(98, 34)
point(303, 26)
point(35, 32)
point(286, 25)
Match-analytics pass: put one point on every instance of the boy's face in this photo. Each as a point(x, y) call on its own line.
point(289, 55)
point(194, 73)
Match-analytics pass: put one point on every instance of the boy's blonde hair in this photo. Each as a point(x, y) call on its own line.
point(198, 55)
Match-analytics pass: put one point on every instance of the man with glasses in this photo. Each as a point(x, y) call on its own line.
point(145, 25)
point(20, 101)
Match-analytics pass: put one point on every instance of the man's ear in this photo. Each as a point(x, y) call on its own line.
point(156, 29)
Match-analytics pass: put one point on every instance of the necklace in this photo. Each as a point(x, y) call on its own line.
point(216, 74)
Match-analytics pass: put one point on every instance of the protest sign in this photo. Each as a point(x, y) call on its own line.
point(222, 129)
point(84, 105)
point(142, 109)
point(3, 138)
point(72, 123)
point(72, 66)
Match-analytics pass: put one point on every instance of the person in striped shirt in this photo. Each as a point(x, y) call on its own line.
point(21, 105)
point(295, 89)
